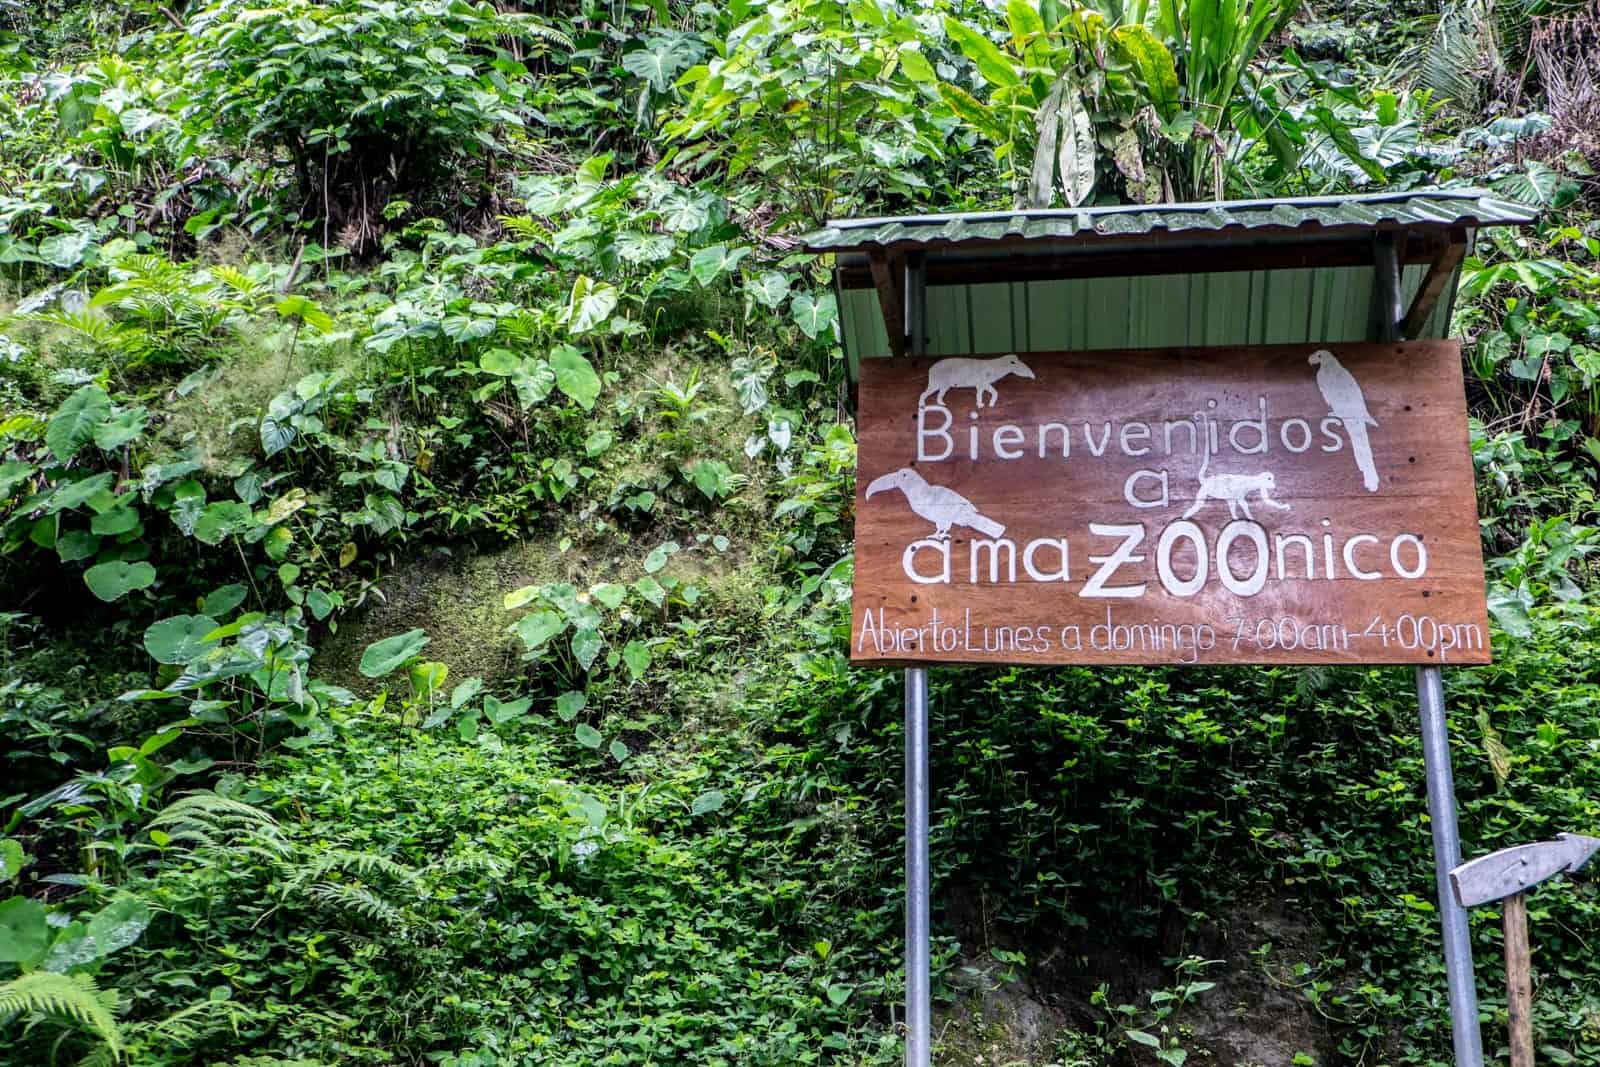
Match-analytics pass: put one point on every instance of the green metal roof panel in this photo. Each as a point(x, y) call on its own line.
point(1430, 208)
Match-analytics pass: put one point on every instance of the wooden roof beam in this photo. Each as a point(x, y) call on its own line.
point(887, 271)
point(1439, 273)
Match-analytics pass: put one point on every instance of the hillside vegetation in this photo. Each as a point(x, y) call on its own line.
point(426, 481)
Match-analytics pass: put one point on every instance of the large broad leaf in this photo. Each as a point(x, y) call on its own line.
point(119, 924)
point(770, 289)
point(591, 304)
point(539, 627)
point(120, 429)
point(660, 61)
point(709, 264)
point(1345, 140)
point(115, 580)
point(224, 519)
point(1041, 181)
point(637, 656)
point(23, 931)
point(75, 421)
point(586, 644)
point(66, 250)
point(381, 657)
point(499, 713)
point(575, 376)
point(1075, 162)
point(1153, 64)
point(814, 314)
point(179, 639)
point(12, 474)
point(992, 63)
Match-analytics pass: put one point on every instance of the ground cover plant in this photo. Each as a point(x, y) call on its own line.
point(426, 475)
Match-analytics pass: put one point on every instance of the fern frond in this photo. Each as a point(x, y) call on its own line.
point(357, 899)
point(484, 864)
point(527, 25)
point(207, 820)
point(362, 864)
point(74, 998)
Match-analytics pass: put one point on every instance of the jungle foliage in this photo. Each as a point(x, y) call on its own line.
point(311, 302)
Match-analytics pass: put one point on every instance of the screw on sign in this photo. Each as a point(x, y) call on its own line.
point(1508, 875)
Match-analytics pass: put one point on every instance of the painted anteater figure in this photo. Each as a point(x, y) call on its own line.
point(978, 375)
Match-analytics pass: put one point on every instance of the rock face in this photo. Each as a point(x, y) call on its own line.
point(1073, 1000)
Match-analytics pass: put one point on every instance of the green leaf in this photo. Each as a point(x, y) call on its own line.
point(658, 557)
point(306, 311)
point(974, 114)
point(120, 429)
point(115, 580)
point(770, 289)
point(708, 264)
point(586, 644)
point(568, 705)
point(1153, 63)
point(706, 803)
point(119, 924)
point(591, 305)
point(598, 443)
point(180, 639)
point(813, 315)
point(74, 495)
point(499, 713)
point(223, 599)
point(75, 545)
point(619, 751)
point(838, 994)
point(1345, 141)
point(75, 421)
point(575, 376)
point(65, 250)
point(114, 522)
point(224, 519)
point(24, 934)
point(12, 474)
point(12, 859)
point(636, 654)
point(992, 63)
point(651, 589)
point(610, 594)
point(382, 657)
point(465, 691)
point(1139, 1036)
point(539, 627)
point(587, 735)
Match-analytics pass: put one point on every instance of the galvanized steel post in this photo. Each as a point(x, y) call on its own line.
point(1464, 1032)
point(919, 996)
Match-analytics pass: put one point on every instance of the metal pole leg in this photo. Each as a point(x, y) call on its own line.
point(1447, 854)
point(918, 997)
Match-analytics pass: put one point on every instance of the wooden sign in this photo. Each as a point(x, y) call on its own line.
point(1285, 504)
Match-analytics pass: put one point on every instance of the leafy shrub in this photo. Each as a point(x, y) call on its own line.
point(365, 98)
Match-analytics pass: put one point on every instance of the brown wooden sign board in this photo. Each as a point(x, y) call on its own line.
point(1275, 504)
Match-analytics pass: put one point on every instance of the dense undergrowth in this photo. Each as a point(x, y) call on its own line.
point(425, 499)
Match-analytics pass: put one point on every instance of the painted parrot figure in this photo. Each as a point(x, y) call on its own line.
point(942, 507)
point(1343, 394)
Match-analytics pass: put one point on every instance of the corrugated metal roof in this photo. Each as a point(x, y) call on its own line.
point(1314, 216)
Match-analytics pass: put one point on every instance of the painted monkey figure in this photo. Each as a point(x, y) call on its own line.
point(942, 507)
point(1345, 401)
point(1232, 489)
point(978, 375)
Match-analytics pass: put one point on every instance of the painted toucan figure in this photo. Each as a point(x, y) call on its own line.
point(942, 507)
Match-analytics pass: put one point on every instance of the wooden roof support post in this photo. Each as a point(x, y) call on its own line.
point(887, 270)
point(1440, 271)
